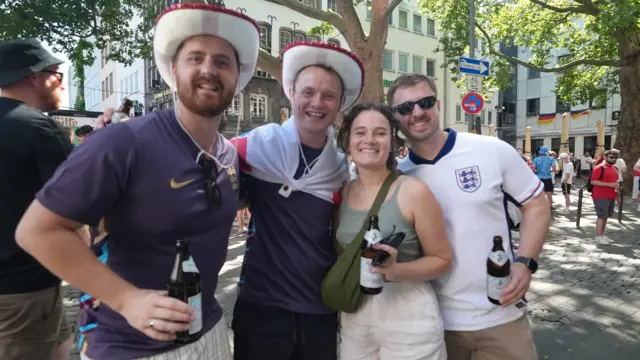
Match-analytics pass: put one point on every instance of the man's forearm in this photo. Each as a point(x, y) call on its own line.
point(66, 255)
point(534, 230)
point(602, 183)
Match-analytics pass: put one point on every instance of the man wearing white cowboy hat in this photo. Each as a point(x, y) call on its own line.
point(292, 173)
point(157, 179)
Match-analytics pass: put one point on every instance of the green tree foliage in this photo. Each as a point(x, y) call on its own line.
point(64, 23)
point(601, 39)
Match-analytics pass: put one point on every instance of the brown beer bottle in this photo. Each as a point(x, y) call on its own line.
point(123, 111)
point(498, 271)
point(370, 283)
point(184, 285)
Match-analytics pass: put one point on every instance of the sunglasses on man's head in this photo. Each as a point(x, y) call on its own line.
point(211, 188)
point(406, 108)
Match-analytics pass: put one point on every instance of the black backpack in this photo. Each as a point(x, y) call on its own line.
point(590, 185)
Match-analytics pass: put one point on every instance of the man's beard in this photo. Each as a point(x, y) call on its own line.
point(611, 162)
point(214, 105)
point(49, 101)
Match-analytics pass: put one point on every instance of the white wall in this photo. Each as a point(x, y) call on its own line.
point(131, 81)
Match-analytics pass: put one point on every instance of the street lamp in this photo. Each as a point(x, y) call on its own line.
point(271, 19)
point(241, 10)
point(219, 3)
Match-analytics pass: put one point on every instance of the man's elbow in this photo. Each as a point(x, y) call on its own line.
point(26, 230)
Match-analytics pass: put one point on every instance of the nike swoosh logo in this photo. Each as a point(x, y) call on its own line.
point(178, 185)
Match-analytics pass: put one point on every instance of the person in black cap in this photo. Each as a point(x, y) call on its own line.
point(32, 145)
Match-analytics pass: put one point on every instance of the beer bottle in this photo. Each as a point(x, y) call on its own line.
point(123, 111)
point(498, 271)
point(184, 285)
point(370, 283)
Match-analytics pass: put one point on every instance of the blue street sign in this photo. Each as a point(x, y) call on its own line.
point(473, 66)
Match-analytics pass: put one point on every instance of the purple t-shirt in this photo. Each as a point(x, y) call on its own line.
point(128, 172)
point(290, 250)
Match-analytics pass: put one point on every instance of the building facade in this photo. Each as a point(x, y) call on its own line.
point(539, 108)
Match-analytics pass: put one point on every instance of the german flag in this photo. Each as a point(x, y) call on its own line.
point(577, 113)
point(546, 118)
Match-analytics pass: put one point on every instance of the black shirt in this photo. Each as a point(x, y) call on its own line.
point(32, 145)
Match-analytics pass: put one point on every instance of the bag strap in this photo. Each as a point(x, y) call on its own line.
point(375, 207)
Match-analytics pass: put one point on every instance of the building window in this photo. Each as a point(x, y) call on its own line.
point(312, 3)
point(331, 5)
point(126, 87)
point(102, 89)
point(403, 62)
point(262, 74)
point(391, 18)
point(533, 107)
point(300, 36)
point(417, 64)
point(122, 92)
point(334, 42)
point(236, 107)
point(258, 107)
point(403, 19)
point(265, 37)
point(417, 23)
point(490, 118)
point(458, 113)
point(130, 84)
point(285, 39)
point(387, 60)
point(431, 68)
point(431, 27)
point(135, 82)
point(312, 38)
point(482, 116)
point(368, 6)
point(110, 84)
point(596, 104)
point(533, 74)
point(562, 107)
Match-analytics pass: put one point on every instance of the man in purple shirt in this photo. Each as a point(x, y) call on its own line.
point(156, 179)
point(291, 172)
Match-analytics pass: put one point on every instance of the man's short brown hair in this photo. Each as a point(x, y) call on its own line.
point(409, 80)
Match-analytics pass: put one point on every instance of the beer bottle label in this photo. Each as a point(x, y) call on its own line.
point(373, 236)
point(369, 279)
point(498, 257)
point(190, 266)
point(495, 285)
point(195, 302)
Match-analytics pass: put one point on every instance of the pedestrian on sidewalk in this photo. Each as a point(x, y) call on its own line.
point(605, 192)
point(545, 167)
point(292, 174)
point(157, 178)
point(487, 172)
point(32, 146)
point(566, 181)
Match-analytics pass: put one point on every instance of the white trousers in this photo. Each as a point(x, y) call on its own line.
point(214, 345)
point(636, 185)
point(401, 323)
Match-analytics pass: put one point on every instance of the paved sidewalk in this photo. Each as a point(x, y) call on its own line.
point(584, 302)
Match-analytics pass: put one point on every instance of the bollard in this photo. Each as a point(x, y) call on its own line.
point(579, 211)
point(621, 202)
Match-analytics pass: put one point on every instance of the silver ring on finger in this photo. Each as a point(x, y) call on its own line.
point(152, 323)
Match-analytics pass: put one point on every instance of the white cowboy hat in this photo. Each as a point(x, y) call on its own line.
point(180, 22)
point(299, 55)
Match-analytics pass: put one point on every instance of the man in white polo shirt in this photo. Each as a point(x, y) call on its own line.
point(473, 177)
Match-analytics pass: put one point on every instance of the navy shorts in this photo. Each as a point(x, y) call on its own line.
point(548, 185)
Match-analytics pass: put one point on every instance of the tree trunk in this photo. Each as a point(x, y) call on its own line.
point(628, 138)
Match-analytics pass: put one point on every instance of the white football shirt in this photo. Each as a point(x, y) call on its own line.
point(472, 177)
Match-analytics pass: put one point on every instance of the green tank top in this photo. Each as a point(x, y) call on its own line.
point(389, 216)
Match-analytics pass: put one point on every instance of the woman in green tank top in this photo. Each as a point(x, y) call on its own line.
point(403, 321)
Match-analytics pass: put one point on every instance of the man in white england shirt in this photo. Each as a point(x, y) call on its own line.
point(473, 177)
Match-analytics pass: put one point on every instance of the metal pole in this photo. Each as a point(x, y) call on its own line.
point(621, 201)
point(472, 37)
point(579, 211)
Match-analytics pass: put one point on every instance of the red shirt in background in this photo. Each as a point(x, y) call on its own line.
point(610, 176)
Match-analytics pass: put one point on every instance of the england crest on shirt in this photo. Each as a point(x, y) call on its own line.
point(469, 178)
